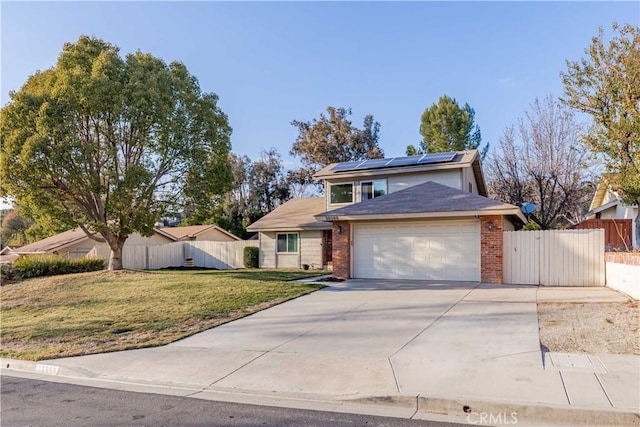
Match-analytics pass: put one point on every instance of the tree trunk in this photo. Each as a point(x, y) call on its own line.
point(115, 260)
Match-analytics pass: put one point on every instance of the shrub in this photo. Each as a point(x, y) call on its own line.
point(251, 254)
point(50, 265)
point(6, 273)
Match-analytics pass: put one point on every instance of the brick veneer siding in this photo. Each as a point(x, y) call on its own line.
point(630, 258)
point(341, 256)
point(491, 246)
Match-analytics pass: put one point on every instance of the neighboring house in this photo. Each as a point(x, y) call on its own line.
point(607, 204)
point(75, 243)
point(6, 256)
point(420, 217)
point(208, 232)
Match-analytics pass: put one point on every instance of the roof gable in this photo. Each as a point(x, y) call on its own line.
point(177, 233)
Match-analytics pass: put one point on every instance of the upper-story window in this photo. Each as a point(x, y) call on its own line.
point(373, 189)
point(341, 193)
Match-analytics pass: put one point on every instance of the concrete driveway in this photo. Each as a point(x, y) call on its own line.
point(361, 339)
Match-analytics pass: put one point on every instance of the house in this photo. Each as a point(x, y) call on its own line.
point(76, 244)
point(608, 205)
point(422, 217)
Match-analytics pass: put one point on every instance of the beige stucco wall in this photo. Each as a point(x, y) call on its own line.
point(154, 239)
point(215, 236)
point(507, 225)
point(77, 250)
point(451, 178)
point(311, 248)
point(469, 178)
point(267, 250)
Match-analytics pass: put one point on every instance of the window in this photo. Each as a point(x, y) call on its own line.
point(372, 189)
point(341, 193)
point(470, 188)
point(287, 242)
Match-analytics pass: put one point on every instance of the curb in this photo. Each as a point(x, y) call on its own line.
point(496, 413)
point(472, 411)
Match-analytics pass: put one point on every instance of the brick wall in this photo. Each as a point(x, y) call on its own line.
point(491, 249)
point(341, 256)
point(327, 247)
point(630, 258)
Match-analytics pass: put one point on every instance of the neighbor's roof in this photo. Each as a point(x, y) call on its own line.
point(468, 158)
point(296, 214)
point(53, 243)
point(424, 200)
point(67, 238)
point(178, 233)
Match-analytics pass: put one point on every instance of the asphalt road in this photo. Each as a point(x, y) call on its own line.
point(27, 402)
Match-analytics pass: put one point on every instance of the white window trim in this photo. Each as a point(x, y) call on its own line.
point(353, 195)
point(286, 234)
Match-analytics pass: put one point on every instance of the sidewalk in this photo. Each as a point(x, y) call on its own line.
point(386, 348)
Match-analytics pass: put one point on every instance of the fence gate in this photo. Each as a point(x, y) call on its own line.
point(554, 257)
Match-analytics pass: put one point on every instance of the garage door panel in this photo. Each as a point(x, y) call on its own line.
point(429, 250)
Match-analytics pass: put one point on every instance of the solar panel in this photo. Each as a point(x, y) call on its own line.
point(437, 158)
point(394, 162)
point(373, 164)
point(346, 166)
point(403, 161)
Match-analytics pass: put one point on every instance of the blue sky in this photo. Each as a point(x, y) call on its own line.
point(271, 63)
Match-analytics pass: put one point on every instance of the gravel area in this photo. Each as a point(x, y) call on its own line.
point(594, 327)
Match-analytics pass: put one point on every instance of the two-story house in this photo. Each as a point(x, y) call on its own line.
point(421, 217)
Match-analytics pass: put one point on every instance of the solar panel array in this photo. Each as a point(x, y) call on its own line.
point(395, 162)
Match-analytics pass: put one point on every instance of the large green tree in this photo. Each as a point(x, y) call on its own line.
point(333, 138)
point(606, 85)
point(111, 143)
point(446, 126)
point(258, 188)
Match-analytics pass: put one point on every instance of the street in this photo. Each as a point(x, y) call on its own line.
point(41, 403)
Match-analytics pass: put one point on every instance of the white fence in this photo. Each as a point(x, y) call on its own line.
point(208, 254)
point(554, 257)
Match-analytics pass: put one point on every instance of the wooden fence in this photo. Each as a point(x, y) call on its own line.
point(617, 232)
point(208, 254)
point(554, 257)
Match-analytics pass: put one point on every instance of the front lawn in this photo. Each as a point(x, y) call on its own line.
point(105, 311)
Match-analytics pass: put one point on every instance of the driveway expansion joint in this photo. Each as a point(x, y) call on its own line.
point(435, 320)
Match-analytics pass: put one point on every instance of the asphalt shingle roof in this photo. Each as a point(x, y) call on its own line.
point(54, 242)
point(422, 198)
point(294, 215)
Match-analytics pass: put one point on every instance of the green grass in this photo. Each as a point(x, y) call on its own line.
point(105, 311)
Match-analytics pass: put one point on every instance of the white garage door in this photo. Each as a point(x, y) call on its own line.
point(425, 250)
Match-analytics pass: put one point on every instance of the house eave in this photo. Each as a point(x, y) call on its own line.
point(288, 228)
point(426, 215)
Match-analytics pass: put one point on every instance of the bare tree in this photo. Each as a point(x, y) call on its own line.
point(540, 161)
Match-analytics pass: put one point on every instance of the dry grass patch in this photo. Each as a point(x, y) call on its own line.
point(105, 311)
point(593, 328)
